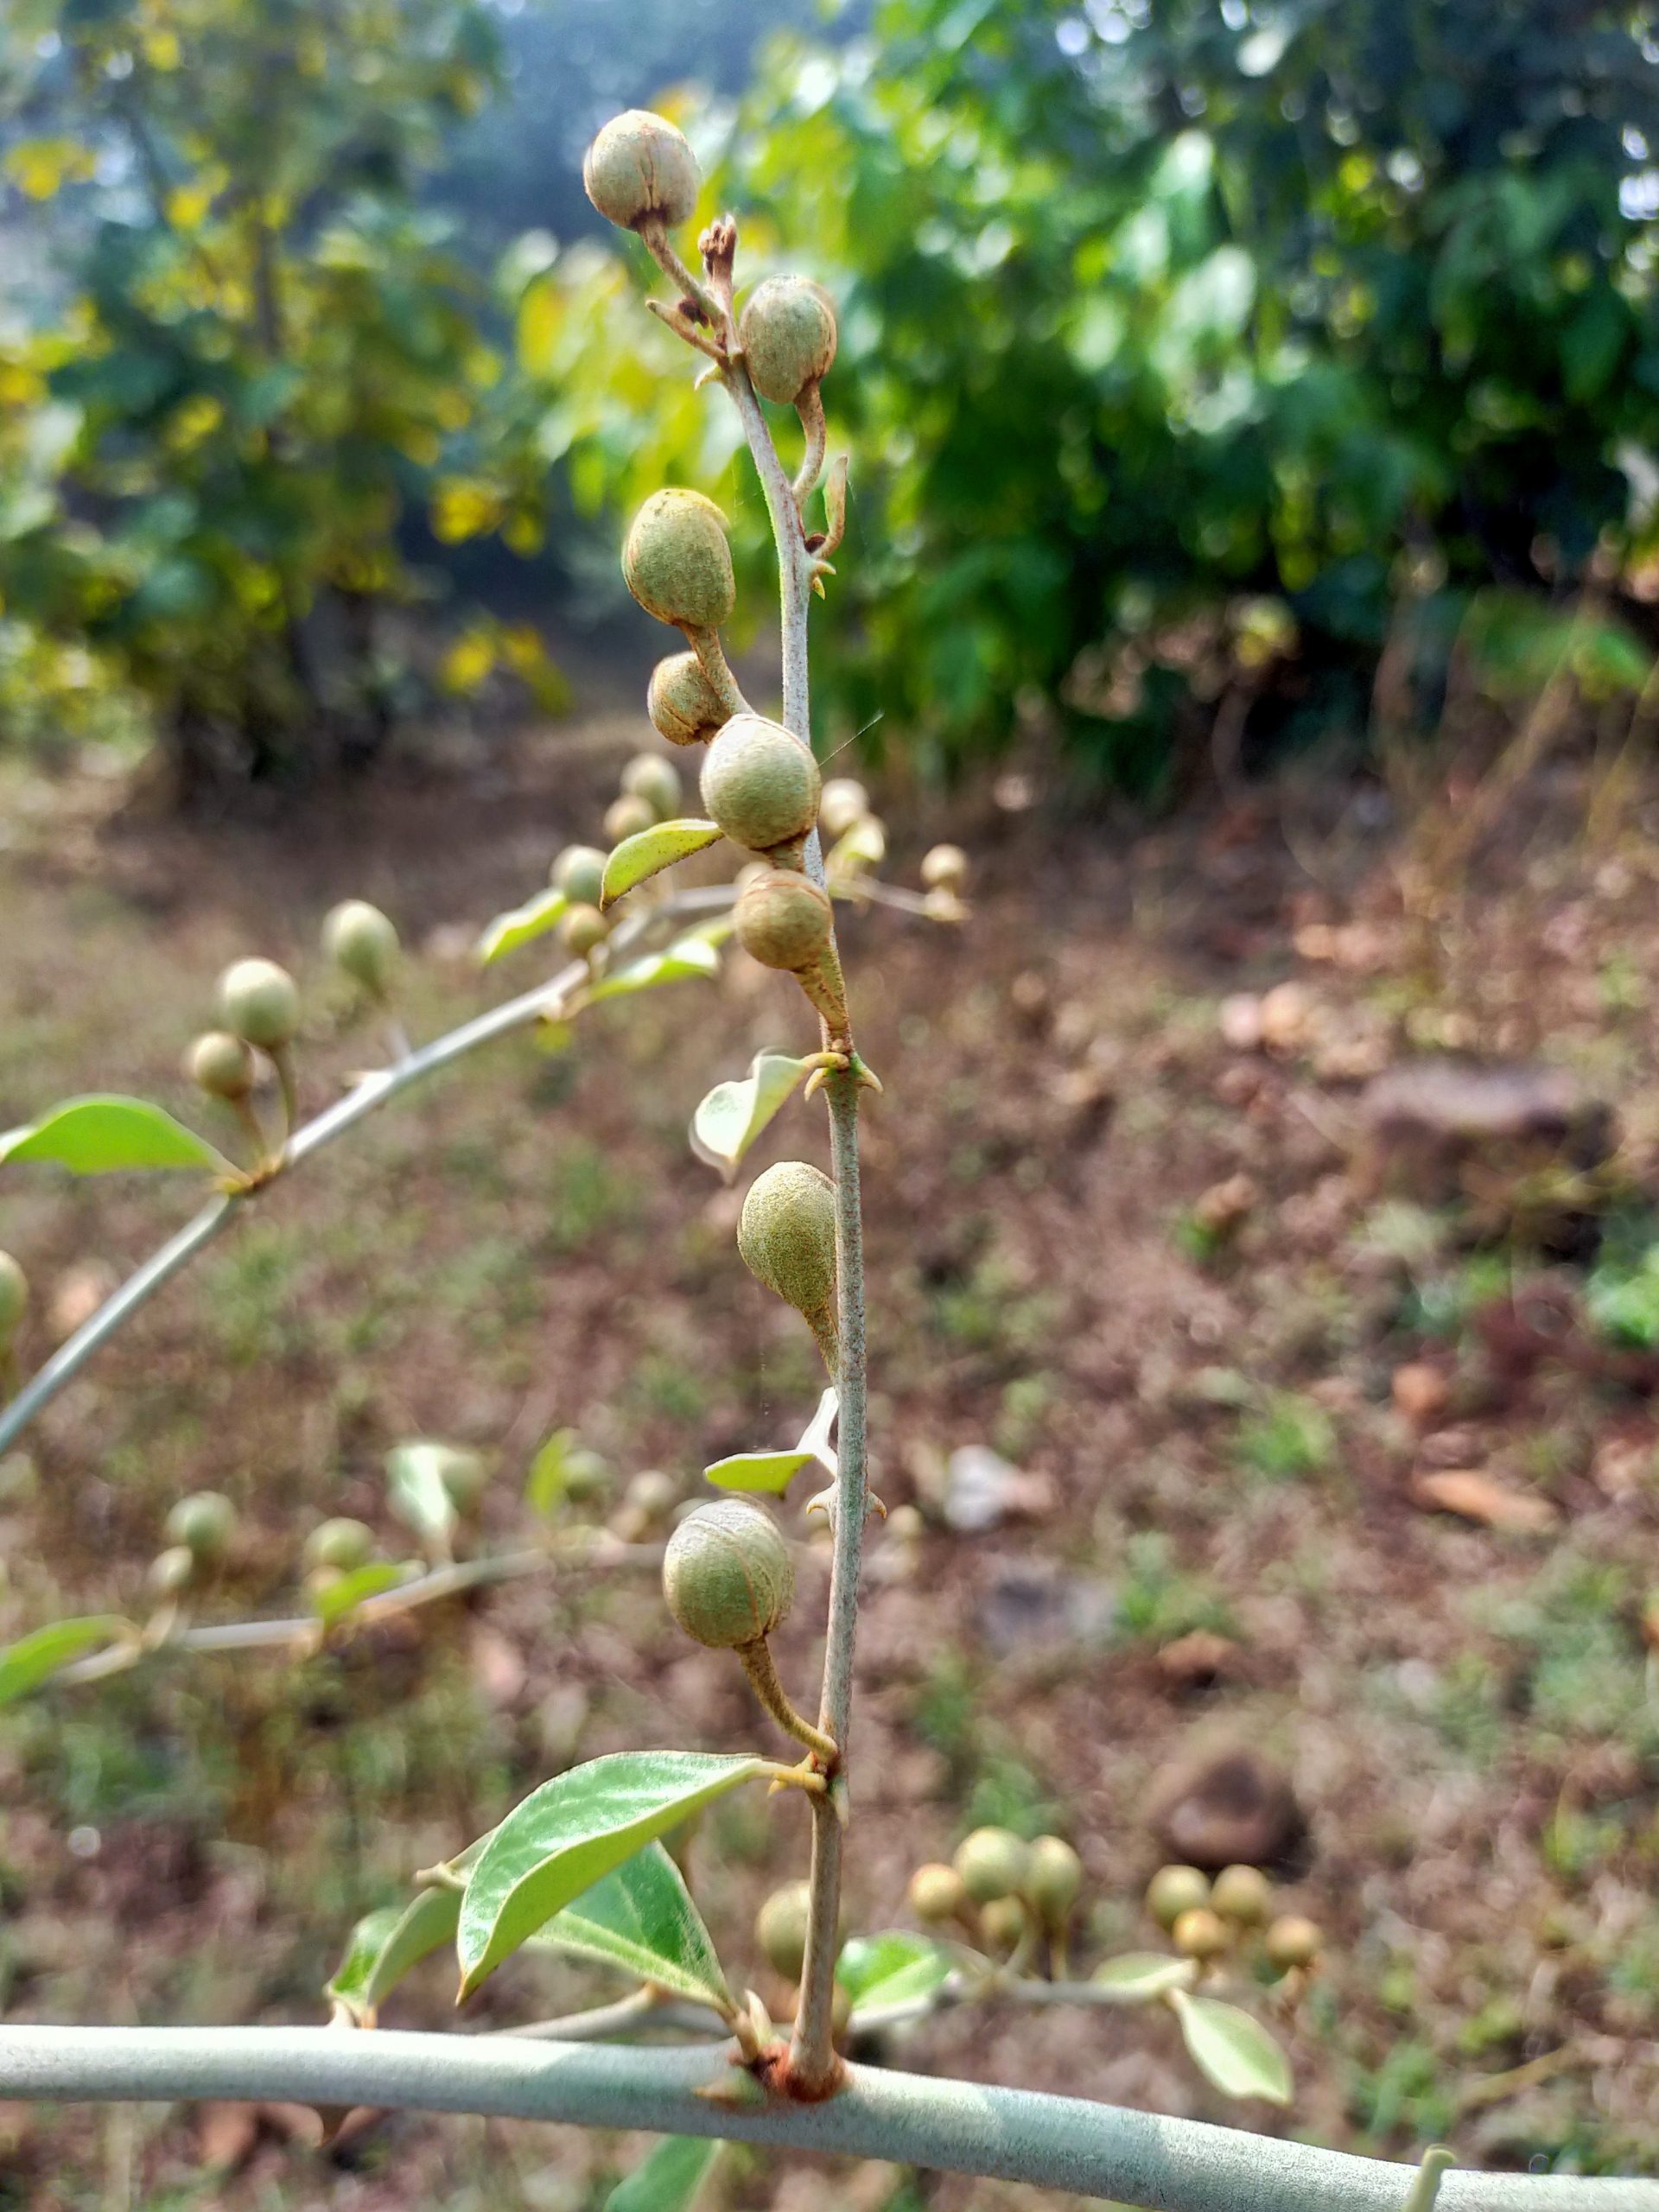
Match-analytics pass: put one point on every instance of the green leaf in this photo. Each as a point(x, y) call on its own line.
point(648, 854)
point(669, 2179)
point(641, 1918)
point(888, 1968)
point(1139, 1976)
point(772, 1471)
point(426, 1923)
point(1232, 2050)
point(687, 957)
point(417, 1493)
point(520, 924)
point(572, 1831)
point(346, 1591)
point(95, 1135)
point(348, 1984)
point(28, 1662)
point(733, 1113)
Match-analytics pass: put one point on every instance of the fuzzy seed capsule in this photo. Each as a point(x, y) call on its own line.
point(221, 1065)
point(683, 705)
point(1053, 1877)
point(1173, 1890)
point(340, 1544)
point(937, 1893)
point(993, 1863)
point(1242, 1895)
point(657, 781)
point(258, 1001)
point(781, 1928)
point(204, 1522)
point(1199, 1933)
point(579, 872)
point(728, 1575)
point(787, 331)
point(1292, 1942)
point(677, 562)
point(627, 816)
point(944, 868)
point(640, 168)
point(844, 802)
point(363, 944)
point(1002, 1923)
point(14, 1296)
point(782, 920)
point(583, 929)
point(760, 784)
point(786, 1235)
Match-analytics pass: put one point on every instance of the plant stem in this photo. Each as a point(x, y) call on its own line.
point(762, 1671)
point(1064, 2143)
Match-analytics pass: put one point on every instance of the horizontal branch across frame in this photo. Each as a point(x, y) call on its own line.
point(1093, 2150)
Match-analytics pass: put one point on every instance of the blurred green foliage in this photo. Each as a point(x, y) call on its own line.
point(1183, 351)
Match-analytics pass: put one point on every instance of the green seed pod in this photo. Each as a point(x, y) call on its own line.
point(1053, 1879)
point(993, 1863)
point(170, 1571)
point(583, 929)
point(627, 816)
point(786, 1235)
point(1002, 1923)
point(781, 1928)
point(463, 1474)
point(937, 1893)
point(683, 705)
point(203, 1522)
point(1173, 1890)
point(579, 872)
point(1242, 1895)
point(640, 168)
point(257, 1002)
point(945, 869)
point(782, 920)
point(1200, 1934)
point(363, 944)
point(657, 781)
point(844, 802)
point(728, 1575)
point(1292, 1941)
point(652, 1493)
point(585, 1475)
point(677, 562)
point(14, 1296)
point(221, 1065)
point(340, 1544)
point(759, 784)
point(787, 331)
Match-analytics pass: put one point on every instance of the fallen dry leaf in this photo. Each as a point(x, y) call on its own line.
point(1477, 1497)
point(1421, 1392)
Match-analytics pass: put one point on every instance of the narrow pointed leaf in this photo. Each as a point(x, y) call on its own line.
point(97, 1135)
point(687, 957)
point(733, 1113)
point(1232, 2050)
point(34, 1659)
point(571, 1833)
point(892, 1967)
point(520, 925)
point(348, 1984)
point(670, 2179)
point(426, 1923)
point(417, 1493)
point(649, 853)
point(347, 1592)
point(641, 1918)
point(1139, 1976)
point(772, 1471)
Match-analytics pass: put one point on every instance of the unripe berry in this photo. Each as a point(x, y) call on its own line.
point(626, 817)
point(993, 1863)
point(844, 802)
point(728, 1575)
point(170, 1571)
point(1199, 1933)
point(652, 1493)
point(945, 869)
point(1002, 1923)
point(677, 562)
point(1054, 1878)
point(204, 1522)
point(640, 168)
point(463, 1474)
point(657, 781)
point(1242, 1895)
point(1292, 1941)
point(683, 705)
point(759, 784)
point(257, 1002)
point(585, 1475)
point(582, 928)
point(579, 872)
point(781, 1928)
point(937, 1893)
point(14, 1296)
point(786, 1235)
point(339, 1544)
point(782, 919)
point(363, 944)
point(1173, 1890)
point(787, 331)
point(221, 1065)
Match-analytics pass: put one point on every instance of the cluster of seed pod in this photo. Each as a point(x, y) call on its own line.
point(1207, 1920)
point(649, 793)
point(1003, 1891)
point(200, 1530)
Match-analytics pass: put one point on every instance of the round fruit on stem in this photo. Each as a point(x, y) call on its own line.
point(205, 1522)
point(781, 1928)
point(1200, 1934)
point(363, 944)
point(1053, 1879)
point(728, 1575)
point(760, 784)
point(993, 1863)
point(1242, 1895)
point(944, 868)
point(845, 801)
point(639, 169)
point(1292, 1941)
point(1002, 1923)
point(1173, 1890)
point(583, 929)
point(340, 1544)
point(579, 872)
point(677, 562)
point(937, 1893)
point(14, 1296)
point(257, 1002)
point(787, 332)
point(782, 920)
point(683, 705)
point(657, 781)
point(786, 1234)
point(627, 817)
point(222, 1065)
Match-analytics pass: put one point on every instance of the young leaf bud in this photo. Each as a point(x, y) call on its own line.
point(363, 944)
point(1002, 1923)
point(170, 1571)
point(937, 1893)
point(14, 1296)
point(677, 562)
point(1200, 1934)
point(683, 705)
point(728, 1575)
point(1173, 1890)
point(626, 817)
point(203, 1522)
point(782, 920)
point(579, 872)
point(640, 168)
point(257, 1002)
point(781, 1928)
point(582, 928)
point(759, 784)
point(221, 1065)
point(657, 781)
point(786, 1235)
point(945, 869)
point(787, 331)
point(1242, 1895)
point(1292, 1941)
point(339, 1544)
point(1053, 1879)
point(993, 1863)
point(844, 802)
